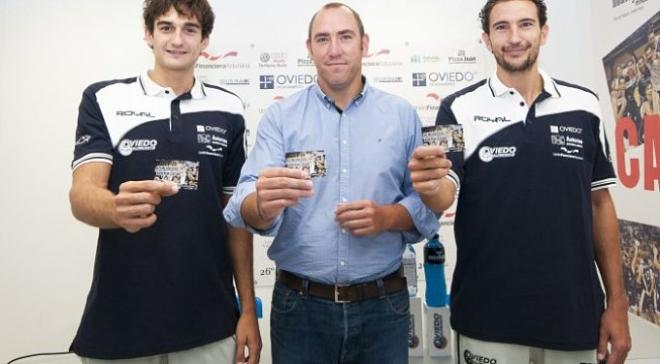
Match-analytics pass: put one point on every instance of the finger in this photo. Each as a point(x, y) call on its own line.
point(428, 175)
point(423, 152)
point(358, 224)
point(275, 183)
point(288, 194)
point(431, 163)
point(602, 346)
point(283, 172)
point(353, 205)
point(240, 351)
point(350, 215)
point(133, 211)
point(137, 198)
point(253, 353)
point(161, 188)
point(136, 224)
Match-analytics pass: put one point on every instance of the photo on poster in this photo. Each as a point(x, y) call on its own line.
point(632, 70)
point(641, 268)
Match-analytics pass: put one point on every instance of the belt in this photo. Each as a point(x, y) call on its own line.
point(391, 283)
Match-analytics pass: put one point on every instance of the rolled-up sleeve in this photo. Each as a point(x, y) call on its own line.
point(267, 152)
point(425, 220)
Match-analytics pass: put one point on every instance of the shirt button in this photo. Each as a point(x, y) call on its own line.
point(344, 142)
point(343, 199)
point(167, 92)
point(344, 170)
point(343, 231)
point(511, 92)
point(522, 103)
point(343, 263)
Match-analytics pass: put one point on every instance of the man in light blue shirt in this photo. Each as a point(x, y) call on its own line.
point(343, 210)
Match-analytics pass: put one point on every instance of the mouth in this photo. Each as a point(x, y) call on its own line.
point(176, 52)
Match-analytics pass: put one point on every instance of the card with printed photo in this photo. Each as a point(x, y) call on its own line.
point(450, 137)
point(184, 173)
point(312, 162)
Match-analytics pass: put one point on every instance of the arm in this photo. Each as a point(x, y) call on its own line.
point(131, 209)
point(247, 329)
point(365, 217)
point(614, 322)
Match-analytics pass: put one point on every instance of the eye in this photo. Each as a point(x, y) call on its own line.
point(165, 28)
point(322, 39)
point(346, 37)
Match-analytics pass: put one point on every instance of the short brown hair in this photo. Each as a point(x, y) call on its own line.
point(334, 6)
point(199, 9)
point(484, 14)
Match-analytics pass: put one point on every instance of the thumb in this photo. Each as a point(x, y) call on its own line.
point(167, 189)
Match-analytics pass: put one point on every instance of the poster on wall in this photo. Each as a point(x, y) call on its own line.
point(629, 88)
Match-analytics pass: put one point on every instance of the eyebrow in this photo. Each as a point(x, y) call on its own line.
point(517, 21)
point(327, 34)
point(186, 24)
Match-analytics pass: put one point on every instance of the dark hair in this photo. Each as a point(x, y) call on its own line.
point(199, 9)
point(484, 14)
point(334, 6)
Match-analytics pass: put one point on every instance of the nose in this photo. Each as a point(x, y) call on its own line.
point(177, 38)
point(335, 48)
point(515, 35)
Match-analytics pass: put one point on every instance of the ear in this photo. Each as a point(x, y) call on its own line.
point(365, 45)
point(149, 38)
point(544, 33)
point(205, 43)
point(485, 38)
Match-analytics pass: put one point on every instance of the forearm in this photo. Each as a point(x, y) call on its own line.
point(396, 218)
point(608, 252)
point(240, 250)
point(250, 213)
point(91, 201)
point(442, 198)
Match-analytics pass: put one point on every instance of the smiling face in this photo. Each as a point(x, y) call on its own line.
point(176, 41)
point(515, 35)
point(337, 48)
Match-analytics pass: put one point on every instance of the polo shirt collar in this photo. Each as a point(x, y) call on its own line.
point(499, 89)
point(151, 88)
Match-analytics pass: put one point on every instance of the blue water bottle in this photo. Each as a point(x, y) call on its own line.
point(434, 270)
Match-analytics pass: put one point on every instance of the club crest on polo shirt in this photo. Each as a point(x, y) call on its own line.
point(127, 146)
point(471, 358)
point(487, 154)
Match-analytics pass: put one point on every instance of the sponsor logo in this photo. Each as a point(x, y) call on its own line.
point(488, 154)
point(204, 138)
point(207, 128)
point(496, 119)
point(569, 151)
point(617, 3)
point(234, 81)
point(462, 58)
point(214, 149)
point(390, 79)
point(129, 113)
point(305, 62)
point(471, 358)
point(378, 59)
point(84, 139)
point(272, 59)
point(269, 82)
point(558, 139)
point(439, 340)
point(127, 146)
point(266, 82)
point(425, 59)
point(565, 129)
point(413, 340)
point(419, 79)
point(212, 57)
point(219, 61)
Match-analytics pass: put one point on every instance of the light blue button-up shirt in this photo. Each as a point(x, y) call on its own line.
point(367, 148)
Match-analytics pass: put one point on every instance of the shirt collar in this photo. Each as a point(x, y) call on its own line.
point(151, 88)
point(499, 89)
point(329, 102)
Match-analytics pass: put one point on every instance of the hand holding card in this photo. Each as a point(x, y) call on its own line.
point(279, 188)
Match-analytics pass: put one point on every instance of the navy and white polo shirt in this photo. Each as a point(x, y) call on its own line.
point(168, 287)
point(525, 270)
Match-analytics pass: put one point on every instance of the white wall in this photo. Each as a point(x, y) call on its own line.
point(50, 50)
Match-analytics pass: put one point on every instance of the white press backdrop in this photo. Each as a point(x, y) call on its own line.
point(50, 50)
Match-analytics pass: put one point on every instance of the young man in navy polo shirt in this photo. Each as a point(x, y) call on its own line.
point(157, 157)
point(534, 212)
